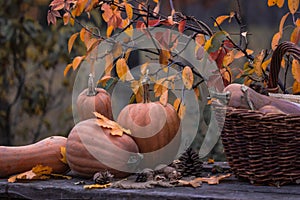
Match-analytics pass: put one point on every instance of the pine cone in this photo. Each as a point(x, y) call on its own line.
point(145, 175)
point(189, 164)
point(103, 177)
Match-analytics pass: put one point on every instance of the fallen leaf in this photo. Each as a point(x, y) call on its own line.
point(187, 77)
point(38, 172)
point(61, 176)
point(97, 186)
point(213, 180)
point(116, 129)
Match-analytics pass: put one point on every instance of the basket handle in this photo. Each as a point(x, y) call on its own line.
point(280, 51)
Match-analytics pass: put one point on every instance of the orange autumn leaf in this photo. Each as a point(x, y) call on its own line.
point(275, 40)
point(39, 172)
point(296, 70)
point(66, 18)
point(158, 87)
point(76, 61)
point(213, 180)
point(67, 69)
point(295, 36)
point(80, 5)
point(123, 70)
point(296, 87)
point(187, 77)
point(293, 6)
point(258, 62)
point(179, 107)
point(104, 80)
point(220, 19)
point(97, 186)
point(129, 10)
point(116, 129)
point(71, 41)
point(279, 3)
point(181, 26)
point(164, 57)
point(281, 24)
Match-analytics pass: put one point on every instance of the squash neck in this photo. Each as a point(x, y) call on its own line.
point(91, 86)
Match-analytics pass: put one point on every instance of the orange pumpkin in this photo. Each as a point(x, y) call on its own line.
point(91, 148)
point(92, 100)
point(47, 152)
point(153, 126)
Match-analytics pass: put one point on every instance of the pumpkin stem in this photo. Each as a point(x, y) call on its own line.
point(91, 86)
point(146, 85)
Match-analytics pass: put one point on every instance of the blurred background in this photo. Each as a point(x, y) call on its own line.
point(35, 97)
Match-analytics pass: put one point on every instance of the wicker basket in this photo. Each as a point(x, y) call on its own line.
point(262, 148)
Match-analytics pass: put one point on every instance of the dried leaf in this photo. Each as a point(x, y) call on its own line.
point(129, 10)
point(200, 39)
point(192, 183)
point(296, 70)
point(123, 70)
point(221, 19)
point(61, 176)
point(71, 41)
point(163, 99)
point(109, 31)
point(144, 68)
point(116, 129)
point(97, 186)
point(80, 5)
point(104, 80)
point(179, 107)
point(76, 61)
point(67, 69)
point(164, 57)
point(38, 172)
point(213, 180)
point(187, 77)
point(296, 87)
point(117, 50)
point(63, 155)
point(295, 36)
point(293, 5)
point(181, 25)
point(258, 62)
point(66, 18)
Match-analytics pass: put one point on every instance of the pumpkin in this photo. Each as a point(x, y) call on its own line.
point(47, 152)
point(154, 127)
point(245, 97)
point(91, 148)
point(92, 100)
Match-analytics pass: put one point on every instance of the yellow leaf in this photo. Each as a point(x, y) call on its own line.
point(129, 10)
point(61, 176)
point(280, 3)
point(39, 172)
point(116, 129)
point(123, 70)
point(298, 23)
point(179, 107)
point(295, 36)
point(265, 64)
point(296, 87)
point(163, 99)
point(67, 69)
point(221, 19)
point(187, 77)
point(76, 61)
point(275, 40)
point(296, 70)
point(82, 34)
point(109, 31)
point(213, 180)
point(272, 2)
point(97, 186)
point(66, 18)
point(293, 5)
point(129, 31)
point(80, 5)
point(71, 41)
point(42, 170)
point(63, 155)
point(200, 39)
point(282, 21)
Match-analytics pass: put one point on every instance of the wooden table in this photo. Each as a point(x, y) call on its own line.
point(231, 189)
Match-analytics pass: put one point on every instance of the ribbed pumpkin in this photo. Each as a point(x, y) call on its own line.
point(92, 100)
point(91, 148)
point(47, 152)
point(153, 126)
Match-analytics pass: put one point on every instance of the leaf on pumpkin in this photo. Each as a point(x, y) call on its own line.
point(293, 6)
point(179, 107)
point(71, 41)
point(187, 77)
point(296, 70)
point(76, 61)
point(123, 70)
point(97, 186)
point(63, 155)
point(38, 172)
point(116, 129)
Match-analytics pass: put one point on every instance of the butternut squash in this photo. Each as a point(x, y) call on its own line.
point(47, 152)
point(245, 97)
